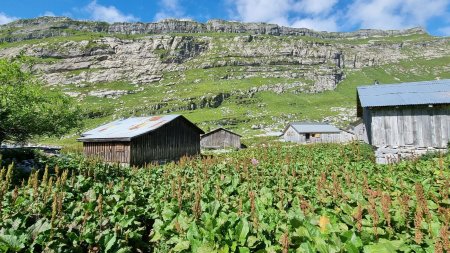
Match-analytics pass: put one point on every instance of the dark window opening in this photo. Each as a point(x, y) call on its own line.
point(307, 136)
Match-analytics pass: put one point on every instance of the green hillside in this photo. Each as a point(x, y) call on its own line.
point(251, 84)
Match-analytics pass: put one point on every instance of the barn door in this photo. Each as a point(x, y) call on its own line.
point(308, 137)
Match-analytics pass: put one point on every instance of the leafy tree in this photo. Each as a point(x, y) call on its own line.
point(28, 109)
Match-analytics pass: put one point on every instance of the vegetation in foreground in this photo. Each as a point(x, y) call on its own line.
point(28, 110)
point(316, 198)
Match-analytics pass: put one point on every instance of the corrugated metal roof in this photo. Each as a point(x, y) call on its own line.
point(127, 128)
point(311, 127)
point(415, 93)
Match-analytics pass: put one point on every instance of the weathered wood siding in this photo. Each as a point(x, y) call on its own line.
point(293, 136)
point(221, 139)
point(167, 143)
point(108, 151)
point(419, 126)
point(367, 121)
point(361, 133)
point(342, 137)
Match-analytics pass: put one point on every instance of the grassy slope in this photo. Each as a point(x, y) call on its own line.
point(236, 113)
point(300, 106)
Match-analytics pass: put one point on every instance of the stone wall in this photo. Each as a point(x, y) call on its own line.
point(393, 154)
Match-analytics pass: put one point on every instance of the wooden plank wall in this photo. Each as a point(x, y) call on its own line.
point(108, 151)
point(292, 136)
point(169, 142)
point(342, 137)
point(361, 133)
point(221, 139)
point(417, 126)
point(367, 121)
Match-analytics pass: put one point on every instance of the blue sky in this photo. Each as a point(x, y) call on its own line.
point(329, 15)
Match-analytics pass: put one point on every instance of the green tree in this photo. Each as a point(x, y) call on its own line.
point(29, 109)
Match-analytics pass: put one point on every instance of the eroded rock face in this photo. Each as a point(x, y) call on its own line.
point(110, 59)
point(45, 27)
point(316, 65)
point(144, 60)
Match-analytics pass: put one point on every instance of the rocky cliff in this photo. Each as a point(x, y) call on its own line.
point(45, 27)
point(178, 65)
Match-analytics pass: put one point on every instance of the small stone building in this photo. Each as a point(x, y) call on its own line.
point(309, 132)
point(405, 120)
point(142, 140)
point(219, 139)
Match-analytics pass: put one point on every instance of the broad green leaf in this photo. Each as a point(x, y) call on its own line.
point(12, 242)
point(383, 246)
point(350, 248)
point(244, 250)
point(192, 232)
point(110, 243)
point(40, 226)
point(183, 245)
point(251, 241)
point(242, 230)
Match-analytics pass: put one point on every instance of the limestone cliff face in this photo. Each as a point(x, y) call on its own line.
point(320, 59)
point(110, 59)
point(45, 27)
point(126, 69)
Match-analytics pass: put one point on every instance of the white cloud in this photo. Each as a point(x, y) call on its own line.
point(394, 14)
point(109, 14)
point(170, 9)
point(315, 7)
point(318, 24)
point(313, 14)
point(335, 15)
point(272, 11)
point(5, 18)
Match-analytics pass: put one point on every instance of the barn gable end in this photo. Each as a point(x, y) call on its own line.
point(220, 138)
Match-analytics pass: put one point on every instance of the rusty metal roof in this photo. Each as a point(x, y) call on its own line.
point(125, 129)
point(414, 93)
point(312, 127)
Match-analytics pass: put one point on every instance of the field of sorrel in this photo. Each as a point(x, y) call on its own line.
point(316, 198)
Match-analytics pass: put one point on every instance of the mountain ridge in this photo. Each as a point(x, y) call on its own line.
point(54, 24)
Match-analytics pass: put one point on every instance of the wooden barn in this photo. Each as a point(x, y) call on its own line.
point(405, 119)
point(141, 140)
point(309, 132)
point(219, 139)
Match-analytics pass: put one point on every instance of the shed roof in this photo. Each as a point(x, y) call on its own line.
point(313, 127)
point(126, 129)
point(414, 93)
point(220, 129)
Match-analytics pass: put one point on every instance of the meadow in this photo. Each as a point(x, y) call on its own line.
point(278, 198)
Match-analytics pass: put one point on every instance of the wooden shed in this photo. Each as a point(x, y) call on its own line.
point(409, 116)
point(141, 140)
point(220, 138)
point(310, 132)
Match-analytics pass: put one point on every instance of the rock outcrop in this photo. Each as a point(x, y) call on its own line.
point(45, 27)
point(177, 65)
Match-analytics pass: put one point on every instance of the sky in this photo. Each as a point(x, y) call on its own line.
point(321, 15)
